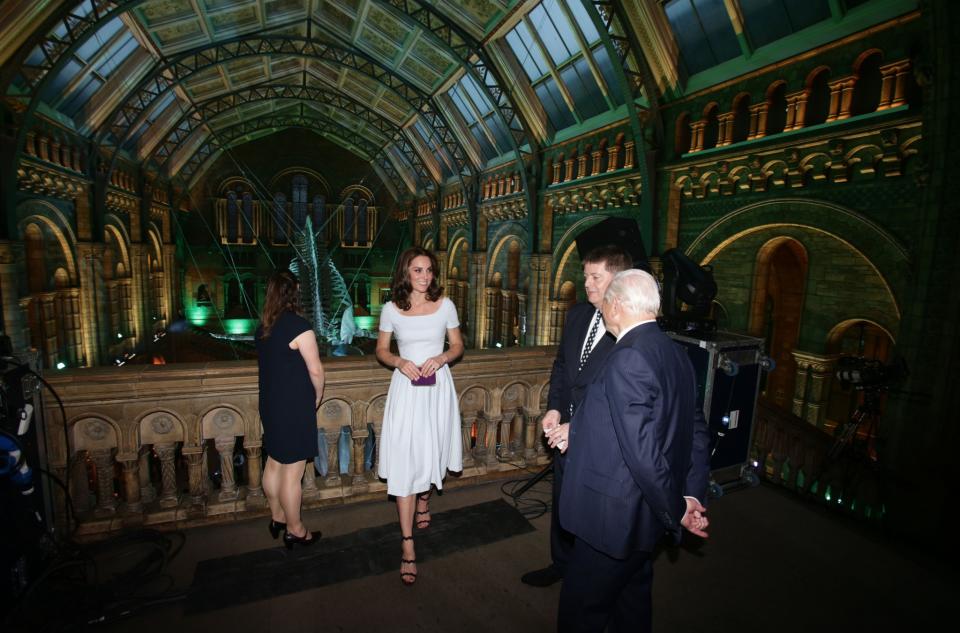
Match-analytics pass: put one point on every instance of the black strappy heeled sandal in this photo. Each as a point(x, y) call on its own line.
point(275, 528)
point(405, 575)
point(423, 524)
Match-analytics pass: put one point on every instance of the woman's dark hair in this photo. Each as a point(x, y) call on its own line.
point(283, 293)
point(400, 287)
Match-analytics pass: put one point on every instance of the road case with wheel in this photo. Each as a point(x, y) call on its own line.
point(728, 368)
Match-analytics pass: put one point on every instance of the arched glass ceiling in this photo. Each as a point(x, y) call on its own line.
point(560, 51)
point(89, 65)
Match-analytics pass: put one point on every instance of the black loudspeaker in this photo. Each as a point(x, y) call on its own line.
point(622, 232)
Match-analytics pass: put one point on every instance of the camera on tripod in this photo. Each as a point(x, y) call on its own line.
point(870, 374)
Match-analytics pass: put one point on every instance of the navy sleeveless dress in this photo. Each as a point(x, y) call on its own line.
point(286, 393)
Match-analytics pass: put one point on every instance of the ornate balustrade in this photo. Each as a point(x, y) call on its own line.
point(178, 445)
point(792, 453)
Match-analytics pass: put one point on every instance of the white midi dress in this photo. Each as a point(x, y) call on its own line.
point(420, 439)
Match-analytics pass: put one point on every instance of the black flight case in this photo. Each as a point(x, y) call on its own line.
point(728, 368)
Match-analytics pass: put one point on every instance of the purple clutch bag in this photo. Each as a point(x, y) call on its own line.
point(425, 381)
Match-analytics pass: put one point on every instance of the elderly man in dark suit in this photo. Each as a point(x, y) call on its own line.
point(637, 461)
point(584, 344)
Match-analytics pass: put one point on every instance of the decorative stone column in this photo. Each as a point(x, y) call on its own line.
point(228, 484)
point(478, 277)
point(595, 162)
point(102, 459)
point(796, 110)
point(893, 90)
point(359, 482)
point(517, 431)
point(333, 459)
point(531, 428)
point(11, 271)
point(613, 154)
point(194, 456)
point(254, 474)
point(490, 438)
point(147, 491)
point(490, 313)
point(466, 428)
point(310, 490)
point(538, 300)
point(169, 496)
point(725, 129)
point(697, 129)
point(70, 320)
point(628, 158)
point(131, 481)
point(758, 120)
point(814, 373)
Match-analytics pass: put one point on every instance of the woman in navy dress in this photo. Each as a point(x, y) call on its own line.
point(291, 386)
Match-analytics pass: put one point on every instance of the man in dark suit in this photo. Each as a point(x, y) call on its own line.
point(638, 459)
point(584, 344)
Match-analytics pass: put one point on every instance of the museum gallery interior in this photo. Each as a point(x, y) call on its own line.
point(160, 159)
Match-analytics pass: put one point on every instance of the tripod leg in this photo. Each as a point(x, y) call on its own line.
point(546, 470)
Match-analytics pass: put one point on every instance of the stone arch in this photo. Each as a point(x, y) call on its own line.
point(112, 229)
point(222, 420)
point(501, 240)
point(474, 399)
point(869, 81)
point(818, 96)
point(93, 432)
point(835, 335)
point(458, 242)
point(850, 251)
point(741, 118)
point(776, 97)
point(875, 342)
point(776, 309)
point(335, 413)
point(160, 426)
point(514, 394)
point(50, 218)
point(566, 245)
point(374, 410)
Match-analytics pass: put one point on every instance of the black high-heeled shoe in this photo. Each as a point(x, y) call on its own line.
point(275, 528)
point(309, 538)
point(404, 575)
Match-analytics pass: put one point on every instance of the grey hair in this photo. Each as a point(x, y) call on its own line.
point(637, 291)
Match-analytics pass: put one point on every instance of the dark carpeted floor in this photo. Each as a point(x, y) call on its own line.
point(268, 573)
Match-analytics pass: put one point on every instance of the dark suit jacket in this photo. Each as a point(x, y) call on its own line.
point(637, 445)
point(567, 383)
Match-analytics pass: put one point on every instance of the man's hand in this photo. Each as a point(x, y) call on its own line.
point(550, 420)
point(695, 518)
point(557, 437)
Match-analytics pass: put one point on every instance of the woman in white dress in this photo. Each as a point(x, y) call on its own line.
point(421, 423)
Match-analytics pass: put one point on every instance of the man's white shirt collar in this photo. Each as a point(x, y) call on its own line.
point(624, 331)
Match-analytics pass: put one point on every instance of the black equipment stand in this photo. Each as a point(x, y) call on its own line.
point(546, 470)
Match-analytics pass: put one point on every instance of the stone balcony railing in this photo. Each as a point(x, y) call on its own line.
point(179, 445)
point(792, 453)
